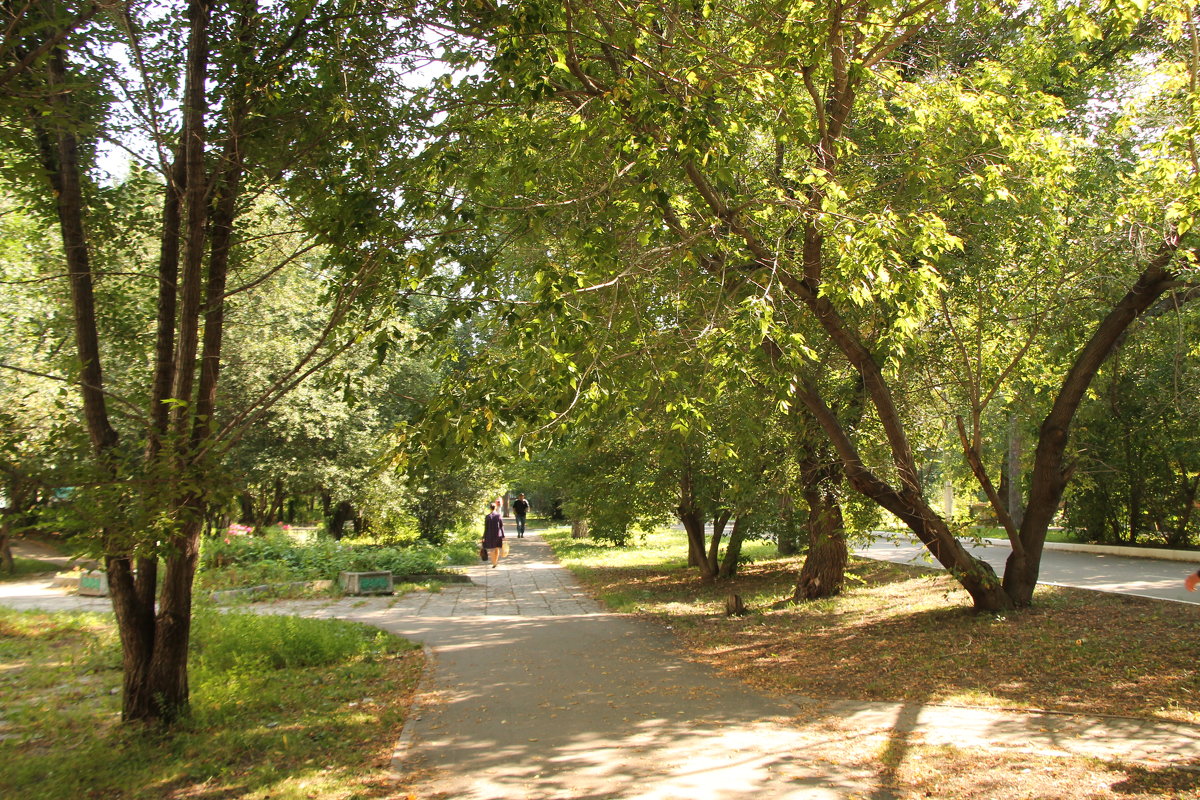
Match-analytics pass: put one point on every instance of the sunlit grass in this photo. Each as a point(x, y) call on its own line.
point(24, 567)
point(281, 708)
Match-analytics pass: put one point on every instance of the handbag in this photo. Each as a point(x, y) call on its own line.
point(504, 549)
point(483, 553)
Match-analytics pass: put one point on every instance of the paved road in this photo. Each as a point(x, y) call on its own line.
point(1143, 577)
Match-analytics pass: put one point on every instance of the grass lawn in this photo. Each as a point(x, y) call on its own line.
point(283, 708)
point(23, 568)
point(907, 634)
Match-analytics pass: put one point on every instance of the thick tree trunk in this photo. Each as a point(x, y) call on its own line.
point(246, 507)
point(60, 157)
point(693, 523)
point(824, 570)
point(788, 543)
point(343, 512)
point(22, 498)
point(168, 296)
point(579, 529)
point(1187, 497)
point(276, 512)
point(168, 674)
point(135, 623)
point(974, 575)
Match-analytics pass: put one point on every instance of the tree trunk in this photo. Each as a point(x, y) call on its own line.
point(824, 570)
point(788, 543)
point(276, 513)
point(135, 623)
point(246, 506)
point(342, 513)
point(6, 556)
point(720, 520)
point(1012, 473)
point(974, 575)
point(60, 156)
point(1187, 497)
point(693, 523)
point(733, 550)
point(173, 624)
point(22, 497)
point(579, 529)
point(1003, 491)
point(1050, 474)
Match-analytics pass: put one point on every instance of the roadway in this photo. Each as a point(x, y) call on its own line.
point(1084, 568)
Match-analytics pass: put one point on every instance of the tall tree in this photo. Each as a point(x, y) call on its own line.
point(264, 97)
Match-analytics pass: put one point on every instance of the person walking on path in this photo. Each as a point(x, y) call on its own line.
point(493, 533)
point(520, 508)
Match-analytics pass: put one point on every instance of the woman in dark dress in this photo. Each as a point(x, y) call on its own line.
point(493, 533)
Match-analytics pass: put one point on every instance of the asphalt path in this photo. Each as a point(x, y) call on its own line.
point(1102, 572)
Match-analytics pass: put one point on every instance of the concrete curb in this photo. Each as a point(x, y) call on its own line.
point(1160, 553)
point(403, 749)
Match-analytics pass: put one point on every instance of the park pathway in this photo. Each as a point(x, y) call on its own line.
point(534, 692)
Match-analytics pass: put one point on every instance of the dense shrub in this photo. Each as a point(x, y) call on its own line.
point(277, 557)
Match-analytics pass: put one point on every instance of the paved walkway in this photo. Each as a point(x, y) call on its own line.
point(1101, 569)
point(533, 692)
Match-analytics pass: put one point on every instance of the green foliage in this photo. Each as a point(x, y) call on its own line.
point(234, 561)
point(230, 641)
point(1138, 440)
point(447, 496)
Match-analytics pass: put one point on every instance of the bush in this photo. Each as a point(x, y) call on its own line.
point(277, 558)
point(231, 640)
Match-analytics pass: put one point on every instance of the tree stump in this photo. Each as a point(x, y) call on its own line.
point(734, 607)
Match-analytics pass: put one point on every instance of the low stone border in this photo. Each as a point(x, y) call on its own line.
point(444, 577)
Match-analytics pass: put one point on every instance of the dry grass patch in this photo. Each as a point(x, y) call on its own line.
point(946, 772)
point(905, 633)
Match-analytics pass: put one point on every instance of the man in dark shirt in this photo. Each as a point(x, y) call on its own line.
point(520, 508)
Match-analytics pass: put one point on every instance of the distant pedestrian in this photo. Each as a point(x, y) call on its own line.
point(1191, 581)
point(520, 508)
point(493, 533)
